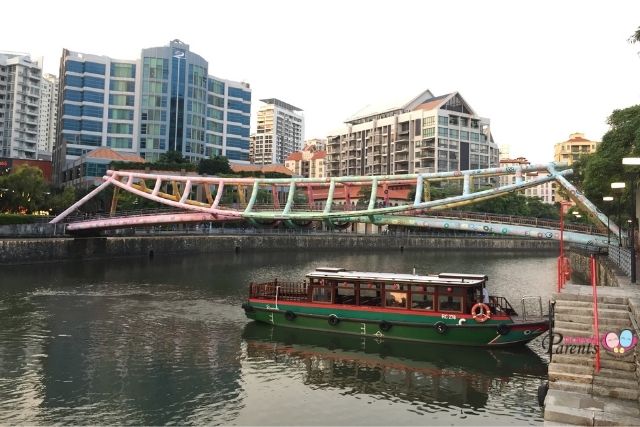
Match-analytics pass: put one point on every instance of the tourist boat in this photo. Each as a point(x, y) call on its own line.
point(442, 308)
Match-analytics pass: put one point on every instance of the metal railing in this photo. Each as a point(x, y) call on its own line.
point(621, 257)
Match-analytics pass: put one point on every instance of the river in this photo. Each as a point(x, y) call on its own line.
point(164, 341)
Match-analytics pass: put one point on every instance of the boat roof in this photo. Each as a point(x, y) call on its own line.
point(443, 279)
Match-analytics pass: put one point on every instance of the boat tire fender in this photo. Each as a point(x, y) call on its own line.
point(441, 327)
point(385, 326)
point(290, 315)
point(481, 312)
point(333, 320)
point(503, 329)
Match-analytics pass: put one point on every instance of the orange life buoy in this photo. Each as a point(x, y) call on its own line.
point(483, 315)
point(566, 268)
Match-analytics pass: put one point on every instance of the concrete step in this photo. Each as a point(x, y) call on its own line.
point(556, 374)
point(570, 368)
point(602, 312)
point(571, 386)
point(573, 332)
point(589, 360)
point(588, 298)
point(615, 392)
point(588, 320)
point(585, 304)
point(571, 408)
point(612, 378)
point(583, 322)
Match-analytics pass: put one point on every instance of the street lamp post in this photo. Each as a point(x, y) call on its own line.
point(633, 161)
point(608, 199)
point(619, 186)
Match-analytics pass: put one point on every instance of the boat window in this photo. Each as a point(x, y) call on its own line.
point(346, 293)
point(422, 297)
point(396, 295)
point(370, 293)
point(450, 303)
point(321, 294)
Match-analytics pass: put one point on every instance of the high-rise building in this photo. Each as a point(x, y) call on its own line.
point(570, 150)
point(20, 79)
point(279, 132)
point(424, 134)
point(166, 100)
point(48, 113)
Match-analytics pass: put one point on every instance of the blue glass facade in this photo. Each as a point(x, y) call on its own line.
point(173, 104)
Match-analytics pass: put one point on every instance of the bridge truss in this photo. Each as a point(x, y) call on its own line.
point(296, 201)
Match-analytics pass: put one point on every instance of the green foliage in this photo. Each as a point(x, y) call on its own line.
point(9, 219)
point(23, 191)
point(60, 199)
point(188, 167)
point(172, 156)
point(605, 165)
point(214, 166)
point(516, 204)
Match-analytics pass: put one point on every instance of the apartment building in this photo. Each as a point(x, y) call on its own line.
point(570, 150)
point(164, 100)
point(307, 163)
point(279, 132)
point(20, 80)
point(423, 134)
point(48, 113)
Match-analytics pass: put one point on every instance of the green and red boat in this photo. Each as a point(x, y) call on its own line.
point(446, 308)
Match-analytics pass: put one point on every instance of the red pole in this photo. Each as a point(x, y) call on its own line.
point(561, 258)
point(596, 330)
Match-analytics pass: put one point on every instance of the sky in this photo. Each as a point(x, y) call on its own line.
point(538, 69)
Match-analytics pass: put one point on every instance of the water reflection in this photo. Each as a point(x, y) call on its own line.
point(431, 377)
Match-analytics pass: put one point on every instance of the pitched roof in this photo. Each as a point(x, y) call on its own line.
point(400, 103)
point(237, 167)
point(295, 156)
point(109, 154)
point(319, 155)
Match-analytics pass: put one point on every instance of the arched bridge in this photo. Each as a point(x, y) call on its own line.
point(336, 201)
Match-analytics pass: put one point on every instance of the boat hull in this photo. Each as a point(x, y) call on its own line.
point(436, 328)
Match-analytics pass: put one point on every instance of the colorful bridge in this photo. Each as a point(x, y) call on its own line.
point(296, 202)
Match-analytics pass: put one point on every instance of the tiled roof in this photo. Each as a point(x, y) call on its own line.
point(319, 155)
point(109, 154)
point(433, 103)
point(237, 167)
point(295, 156)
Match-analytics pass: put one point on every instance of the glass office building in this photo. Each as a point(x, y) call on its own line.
point(166, 100)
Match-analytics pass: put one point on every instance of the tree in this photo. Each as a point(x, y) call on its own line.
point(605, 165)
point(60, 199)
point(172, 156)
point(23, 191)
point(214, 166)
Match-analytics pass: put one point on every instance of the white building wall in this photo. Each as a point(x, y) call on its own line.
point(20, 80)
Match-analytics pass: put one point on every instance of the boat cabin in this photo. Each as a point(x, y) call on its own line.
point(444, 292)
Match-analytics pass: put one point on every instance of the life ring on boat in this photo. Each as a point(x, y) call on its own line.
point(503, 329)
point(385, 326)
point(441, 327)
point(483, 315)
point(290, 315)
point(333, 320)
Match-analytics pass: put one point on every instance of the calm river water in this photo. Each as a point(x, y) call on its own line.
point(164, 341)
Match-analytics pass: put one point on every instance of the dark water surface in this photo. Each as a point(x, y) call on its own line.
point(164, 341)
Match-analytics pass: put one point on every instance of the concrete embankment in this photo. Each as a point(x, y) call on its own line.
point(55, 249)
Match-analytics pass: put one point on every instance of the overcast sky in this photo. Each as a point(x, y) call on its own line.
point(539, 69)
